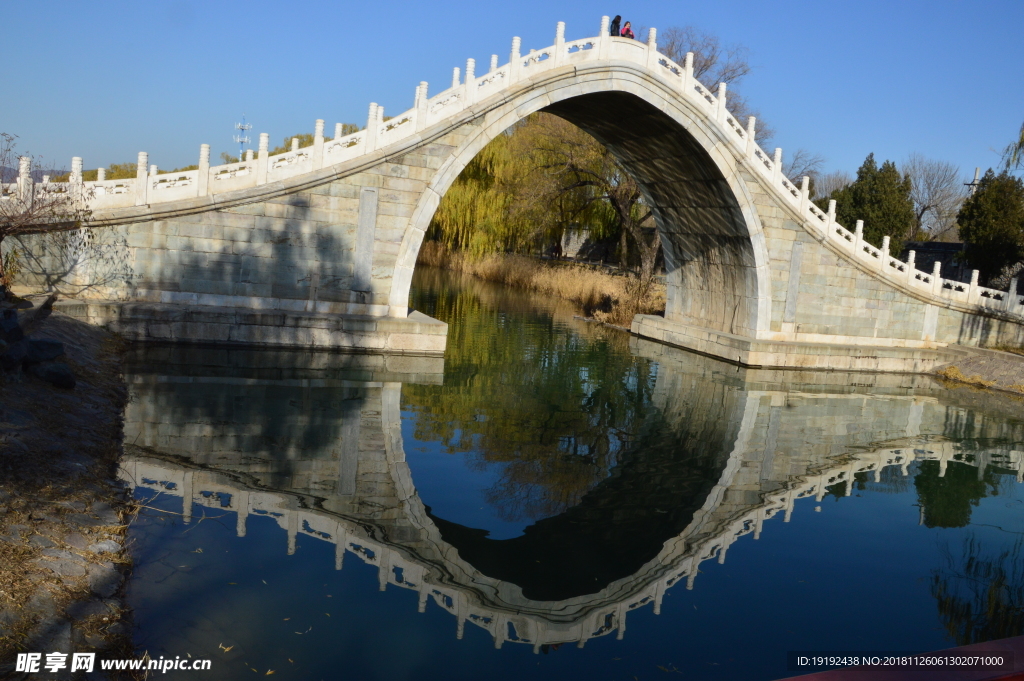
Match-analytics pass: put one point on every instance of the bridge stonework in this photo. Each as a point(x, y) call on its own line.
point(316, 247)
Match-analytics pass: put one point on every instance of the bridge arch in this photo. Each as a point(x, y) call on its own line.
point(715, 251)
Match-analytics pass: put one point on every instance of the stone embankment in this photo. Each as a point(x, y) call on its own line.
point(987, 369)
point(63, 515)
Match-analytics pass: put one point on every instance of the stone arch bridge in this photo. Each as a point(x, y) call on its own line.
point(316, 246)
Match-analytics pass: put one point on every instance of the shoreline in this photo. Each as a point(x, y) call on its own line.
point(63, 514)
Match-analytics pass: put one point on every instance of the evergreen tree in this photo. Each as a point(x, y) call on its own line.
point(992, 223)
point(881, 198)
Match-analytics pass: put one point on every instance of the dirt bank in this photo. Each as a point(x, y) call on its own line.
point(63, 515)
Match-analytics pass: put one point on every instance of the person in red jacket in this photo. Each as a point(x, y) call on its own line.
point(627, 32)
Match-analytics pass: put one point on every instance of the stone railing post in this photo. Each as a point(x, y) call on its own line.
point(338, 128)
point(514, 64)
point(721, 113)
point(603, 43)
point(831, 217)
point(751, 129)
point(652, 49)
point(1010, 302)
point(805, 190)
point(248, 155)
point(470, 84)
point(101, 174)
point(777, 165)
point(937, 277)
point(456, 79)
point(141, 183)
point(75, 176)
point(203, 176)
point(263, 159)
point(421, 106)
point(26, 190)
point(318, 144)
point(371, 129)
point(858, 238)
point(153, 170)
point(911, 266)
point(559, 55)
point(295, 144)
point(883, 261)
point(688, 75)
point(972, 291)
point(494, 63)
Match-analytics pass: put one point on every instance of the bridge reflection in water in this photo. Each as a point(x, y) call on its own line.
point(315, 442)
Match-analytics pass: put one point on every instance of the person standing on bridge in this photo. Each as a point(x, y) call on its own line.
point(614, 28)
point(627, 32)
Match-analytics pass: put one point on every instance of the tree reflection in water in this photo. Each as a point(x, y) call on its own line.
point(981, 597)
point(552, 407)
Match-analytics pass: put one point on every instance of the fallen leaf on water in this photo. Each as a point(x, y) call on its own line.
point(198, 551)
point(291, 660)
point(269, 672)
point(232, 583)
point(221, 646)
point(328, 614)
point(264, 581)
point(287, 618)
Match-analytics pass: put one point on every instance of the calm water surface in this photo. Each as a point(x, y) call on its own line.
point(557, 500)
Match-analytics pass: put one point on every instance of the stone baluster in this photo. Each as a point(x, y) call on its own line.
point(141, 185)
point(46, 179)
point(805, 189)
point(911, 266)
point(621, 621)
point(603, 42)
point(470, 81)
point(153, 170)
point(972, 291)
point(26, 190)
point(559, 55)
point(883, 260)
point(422, 109)
point(937, 277)
point(340, 544)
point(456, 81)
point(295, 144)
point(186, 485)
point(371, 129)
point(248, 156)
point(75, 176)
point(262, 159)
point(494, 63)
point(337, 131)
point(203, 176)
point(101, 174)
point(318, 144)
point(858, 238)
point(831, 217)
point(1010, 301)
point(751, 130)
point(777, 165)
point(721, 112)
point(652, 49)
point(688, 75)
point(514, 61)
point(293, 530)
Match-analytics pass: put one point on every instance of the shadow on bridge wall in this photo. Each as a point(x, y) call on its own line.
point(726, 450)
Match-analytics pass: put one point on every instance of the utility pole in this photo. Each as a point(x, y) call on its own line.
point(974, 184)
point(242, 138)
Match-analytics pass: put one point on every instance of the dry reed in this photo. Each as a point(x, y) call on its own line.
point(606, 297)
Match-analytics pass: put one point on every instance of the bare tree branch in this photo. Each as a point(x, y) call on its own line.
point(938, 191)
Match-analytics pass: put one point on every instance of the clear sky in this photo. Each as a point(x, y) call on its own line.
point(107, 79)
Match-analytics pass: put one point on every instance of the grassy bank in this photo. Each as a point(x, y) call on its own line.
point(610, 298)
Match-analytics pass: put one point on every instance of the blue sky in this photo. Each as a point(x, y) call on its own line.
point(105, 80)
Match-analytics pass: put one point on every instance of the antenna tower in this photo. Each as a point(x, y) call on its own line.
point(242, 138)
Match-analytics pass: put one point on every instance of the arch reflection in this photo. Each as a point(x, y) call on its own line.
point(315, 443)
